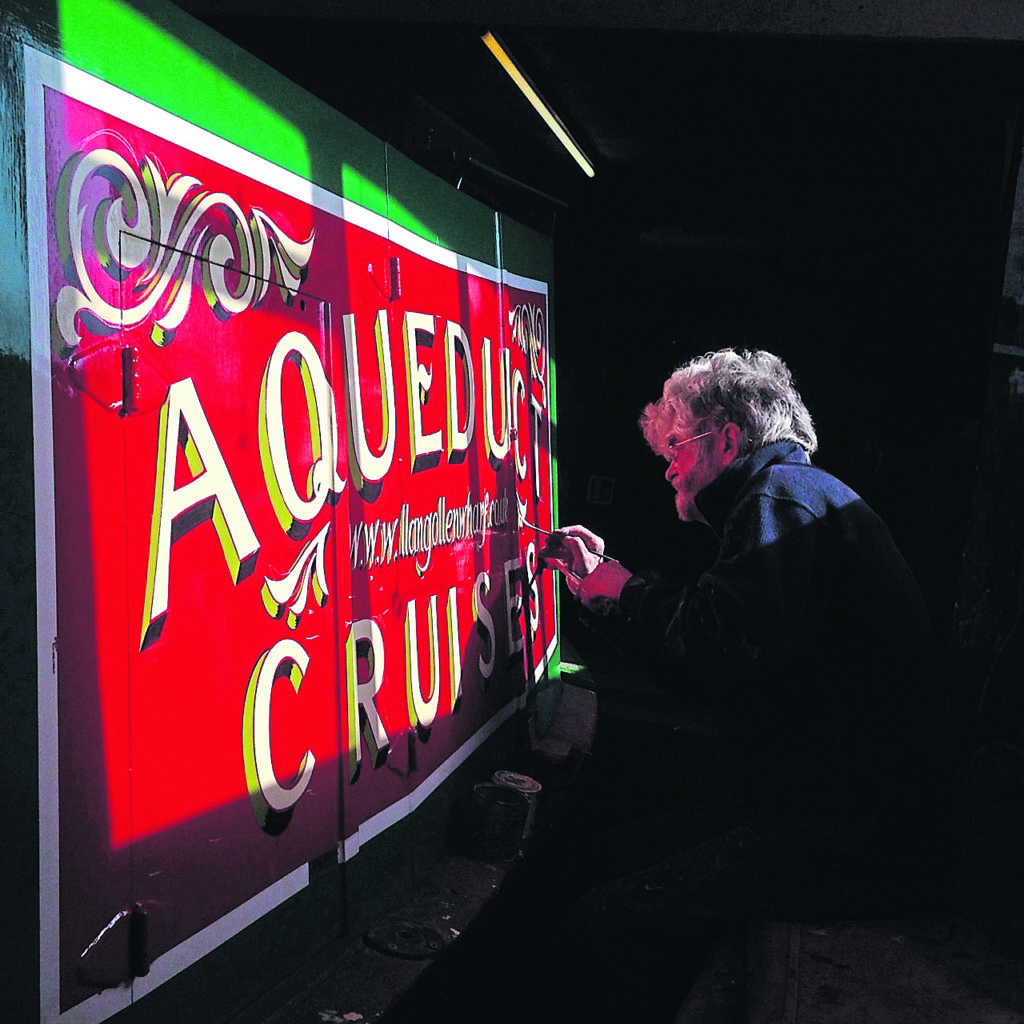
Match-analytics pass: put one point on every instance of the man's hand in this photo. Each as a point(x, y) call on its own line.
point(600, 590)
point(574, 551)
point(591, 577)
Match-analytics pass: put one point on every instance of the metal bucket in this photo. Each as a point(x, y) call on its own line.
point(497, 819)
point(530, 788)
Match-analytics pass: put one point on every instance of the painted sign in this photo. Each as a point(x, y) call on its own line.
point(297, 458)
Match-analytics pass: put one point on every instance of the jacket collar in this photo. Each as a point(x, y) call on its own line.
point(716, 501)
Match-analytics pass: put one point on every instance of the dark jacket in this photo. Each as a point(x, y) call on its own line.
point(809, 639)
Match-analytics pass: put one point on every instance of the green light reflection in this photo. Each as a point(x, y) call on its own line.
point(121, 45)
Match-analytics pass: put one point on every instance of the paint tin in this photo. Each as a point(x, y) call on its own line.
point(497, 820)
point(530, 788)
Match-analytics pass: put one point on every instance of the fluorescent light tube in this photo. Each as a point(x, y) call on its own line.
point(508, 62)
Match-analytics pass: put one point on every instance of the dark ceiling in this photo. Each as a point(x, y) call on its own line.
point(651, 91)
point(709, 146)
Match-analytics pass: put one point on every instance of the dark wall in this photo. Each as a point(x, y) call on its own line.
point(845, 205)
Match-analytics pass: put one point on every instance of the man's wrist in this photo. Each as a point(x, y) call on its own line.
point(630, 595)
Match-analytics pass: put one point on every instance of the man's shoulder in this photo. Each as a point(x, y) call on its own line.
point(780, 473)
point(800, 481)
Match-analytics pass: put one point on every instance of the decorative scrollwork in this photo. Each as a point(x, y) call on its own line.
point(130, 241)
point(286, 597)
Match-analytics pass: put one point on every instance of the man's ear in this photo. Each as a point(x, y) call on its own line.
point(732, 442)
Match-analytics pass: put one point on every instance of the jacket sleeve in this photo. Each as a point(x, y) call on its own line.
point(752, 605)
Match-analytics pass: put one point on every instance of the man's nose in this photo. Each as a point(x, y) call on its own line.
point(670, 473)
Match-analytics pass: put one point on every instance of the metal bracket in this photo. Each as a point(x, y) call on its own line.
point(118, 378)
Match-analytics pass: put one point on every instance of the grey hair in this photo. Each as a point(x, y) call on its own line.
point(754, 390)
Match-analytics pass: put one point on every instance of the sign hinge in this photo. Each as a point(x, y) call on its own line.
point(138, 942)
point(127, 381)
point(395, 276)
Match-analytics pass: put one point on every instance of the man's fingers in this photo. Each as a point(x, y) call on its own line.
point(566, 553)
point(590, 540)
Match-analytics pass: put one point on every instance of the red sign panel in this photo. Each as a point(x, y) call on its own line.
point(298, 458)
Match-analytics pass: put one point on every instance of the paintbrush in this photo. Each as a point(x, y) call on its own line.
point(550, 533)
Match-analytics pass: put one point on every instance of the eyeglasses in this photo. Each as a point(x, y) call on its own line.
point(674, 446)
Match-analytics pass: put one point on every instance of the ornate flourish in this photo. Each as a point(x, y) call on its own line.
point(130, 240)
point(529, 332)
point(309, 571)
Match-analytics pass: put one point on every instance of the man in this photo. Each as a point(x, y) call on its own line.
point(809, 640)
